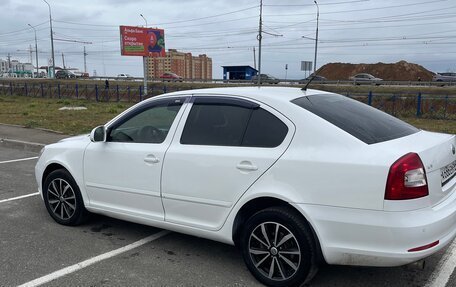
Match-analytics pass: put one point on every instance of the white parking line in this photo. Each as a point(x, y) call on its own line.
point(16, 160)
point(444, 269)
point(19, 197)
point(93, 260)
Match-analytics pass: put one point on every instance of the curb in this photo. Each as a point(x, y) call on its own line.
point(22, 145)
point(40, 129)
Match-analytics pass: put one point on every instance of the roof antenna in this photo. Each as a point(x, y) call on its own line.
point(313, 77)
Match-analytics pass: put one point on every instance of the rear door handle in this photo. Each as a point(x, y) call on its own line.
point(151, 159)
point(246, 166)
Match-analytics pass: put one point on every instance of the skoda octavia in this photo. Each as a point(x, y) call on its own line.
point(293, 177)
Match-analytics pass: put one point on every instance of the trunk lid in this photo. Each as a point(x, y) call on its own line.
point(438, 154)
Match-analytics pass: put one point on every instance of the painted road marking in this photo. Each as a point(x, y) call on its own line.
point(444, 269)
point(16, 160)
point(78, 266)
point(19, 197)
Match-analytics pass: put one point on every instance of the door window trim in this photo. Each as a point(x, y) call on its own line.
point(236, 101)
point(129, 114)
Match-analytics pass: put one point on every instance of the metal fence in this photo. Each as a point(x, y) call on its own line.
point(398, 104)
point(97, 92)
point(407, 105)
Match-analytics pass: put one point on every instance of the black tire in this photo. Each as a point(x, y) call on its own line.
point(63, 199)
point(299, 250)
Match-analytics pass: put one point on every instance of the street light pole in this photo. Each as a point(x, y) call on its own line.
point(52, 41)
point(36, 50)
point(316, 37)
point(145, 64)
point(145, 20)
point(259, 37)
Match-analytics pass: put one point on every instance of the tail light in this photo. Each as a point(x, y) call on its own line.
point(406, 179)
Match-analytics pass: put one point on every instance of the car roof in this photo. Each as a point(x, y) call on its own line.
point(265, 94)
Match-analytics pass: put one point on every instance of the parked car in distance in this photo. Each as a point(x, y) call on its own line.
point(65, 74)
point(124, 76)
point(364, 78)
point(444, 77)
point(291, 177)
point(171, 77)
point(316, 79)
point(82, 75)
point(265, 79)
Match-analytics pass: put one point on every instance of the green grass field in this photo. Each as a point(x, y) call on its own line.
point(45, 113)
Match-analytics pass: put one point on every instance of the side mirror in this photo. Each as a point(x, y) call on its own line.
point(98, 134)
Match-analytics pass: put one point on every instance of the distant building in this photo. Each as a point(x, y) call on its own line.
point(183, 64)
point(238, 72)
point(3, 66)
point(15, 67)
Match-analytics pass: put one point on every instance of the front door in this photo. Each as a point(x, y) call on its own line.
point(123, 174)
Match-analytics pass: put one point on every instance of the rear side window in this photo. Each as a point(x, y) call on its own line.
point(232, 123)
point(264, 130)
point(215, 124)
point(360, 120)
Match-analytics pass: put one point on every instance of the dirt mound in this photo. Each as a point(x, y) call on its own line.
point(400, 71)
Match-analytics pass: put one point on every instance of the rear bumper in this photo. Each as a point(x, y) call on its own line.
point(380, 238)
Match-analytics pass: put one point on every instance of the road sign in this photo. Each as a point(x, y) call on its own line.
point(306, 65)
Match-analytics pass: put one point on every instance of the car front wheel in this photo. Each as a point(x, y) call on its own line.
point(63, 199)
point(278, 248)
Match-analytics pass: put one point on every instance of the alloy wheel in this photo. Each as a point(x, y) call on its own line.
point(61, 199)
point(274, 251)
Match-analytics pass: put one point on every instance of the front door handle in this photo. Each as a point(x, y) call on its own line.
point(246, 166)
point(151, 159)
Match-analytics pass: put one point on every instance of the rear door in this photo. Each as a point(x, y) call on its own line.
point(225, 145)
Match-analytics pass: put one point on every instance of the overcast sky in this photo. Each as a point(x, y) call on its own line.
point(350, 31)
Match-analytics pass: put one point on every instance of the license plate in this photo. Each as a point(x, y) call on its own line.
point(448, 172)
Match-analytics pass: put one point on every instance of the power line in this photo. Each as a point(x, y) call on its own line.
point(165, 23)
point(21, 30)
point(326, 4)
point(356, 10)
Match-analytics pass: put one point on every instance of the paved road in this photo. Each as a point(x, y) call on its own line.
point(32, 245)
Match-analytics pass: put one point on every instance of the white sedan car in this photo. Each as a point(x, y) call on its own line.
point(293, 177)
point(364, 78)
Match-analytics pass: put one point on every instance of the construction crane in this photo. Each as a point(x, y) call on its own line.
point(84, 53)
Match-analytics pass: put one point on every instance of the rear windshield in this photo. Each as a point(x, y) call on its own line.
point(360, 120)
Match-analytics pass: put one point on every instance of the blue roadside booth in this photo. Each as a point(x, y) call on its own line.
point(238, 72)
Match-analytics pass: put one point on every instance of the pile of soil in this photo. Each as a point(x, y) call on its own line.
point(400, 71)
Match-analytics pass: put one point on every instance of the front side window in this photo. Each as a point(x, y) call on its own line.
point(232, 123)
point(150, 124)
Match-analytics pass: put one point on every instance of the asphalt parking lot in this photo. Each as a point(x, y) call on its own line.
point(35, 250)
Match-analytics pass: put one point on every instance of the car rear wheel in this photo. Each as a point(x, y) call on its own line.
point(278, 248)
point(63, 199)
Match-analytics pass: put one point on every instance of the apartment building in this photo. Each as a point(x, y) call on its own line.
point(183, 64)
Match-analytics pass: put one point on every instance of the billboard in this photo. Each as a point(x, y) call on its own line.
point(145, 42)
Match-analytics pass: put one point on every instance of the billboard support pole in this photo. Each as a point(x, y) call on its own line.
point(145, 64)
point(146, 74)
